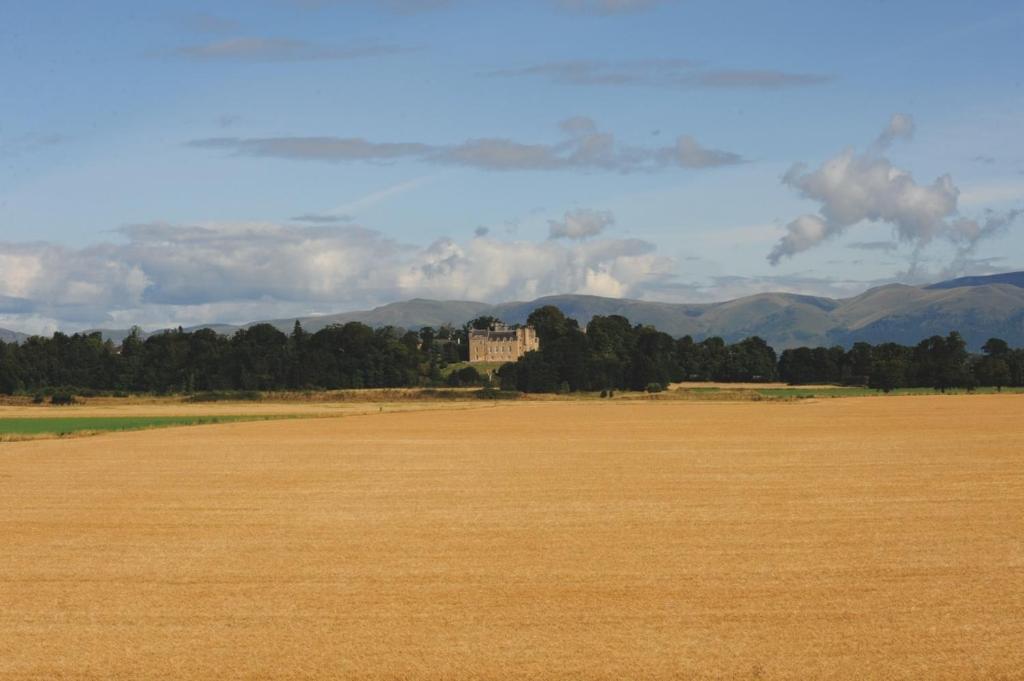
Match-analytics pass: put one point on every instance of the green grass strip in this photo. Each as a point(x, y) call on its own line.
point(69, 425)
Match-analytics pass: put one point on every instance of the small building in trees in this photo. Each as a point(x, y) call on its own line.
point(501, 343)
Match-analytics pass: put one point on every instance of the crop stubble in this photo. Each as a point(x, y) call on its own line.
point(846, 538)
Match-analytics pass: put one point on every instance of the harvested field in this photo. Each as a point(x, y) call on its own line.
point(837, 538)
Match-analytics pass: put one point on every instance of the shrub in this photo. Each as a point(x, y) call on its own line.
point(465, 376)
point(435, 393)
point(38, 398)
point(62, 399)
point(655, 387)
point(227, 396)
point(492, 394)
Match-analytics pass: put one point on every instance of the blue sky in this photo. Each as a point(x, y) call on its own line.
point(176, 162)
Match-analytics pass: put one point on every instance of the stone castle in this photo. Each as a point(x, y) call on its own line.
point(501, 343)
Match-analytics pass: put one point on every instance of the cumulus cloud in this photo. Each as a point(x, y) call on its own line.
point(279, 49)
point(853, 187)
point(163, 273)
point(580, 224)
point(521, 270)
point(583, 146)
point(665, 73)
point(64, 283)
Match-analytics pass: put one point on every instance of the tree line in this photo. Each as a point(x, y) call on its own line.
point(259, 357)
point(939, 362)
point(609, 353)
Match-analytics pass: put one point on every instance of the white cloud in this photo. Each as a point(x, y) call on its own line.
point(853, 188)
point(238, 272)
point(490, 269)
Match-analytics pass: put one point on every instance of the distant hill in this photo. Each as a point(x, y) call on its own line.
point(1011, 278)
point(895, 313)
point(8, 336)
point(978, 307)
point(411, 314)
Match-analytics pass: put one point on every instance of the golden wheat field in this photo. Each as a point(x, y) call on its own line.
point(841, 539)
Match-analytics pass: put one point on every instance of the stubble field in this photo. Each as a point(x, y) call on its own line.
point(840, 538)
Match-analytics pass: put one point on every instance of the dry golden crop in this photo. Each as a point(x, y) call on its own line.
point(843, 538)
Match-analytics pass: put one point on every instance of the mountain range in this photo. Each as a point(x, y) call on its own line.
point(978, 307)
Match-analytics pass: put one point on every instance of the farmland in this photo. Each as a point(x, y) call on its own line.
point(846, 538)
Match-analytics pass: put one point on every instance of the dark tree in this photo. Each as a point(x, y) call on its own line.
point(483, 323)
point(550, 324)
point(996, 347)
point(941, 363)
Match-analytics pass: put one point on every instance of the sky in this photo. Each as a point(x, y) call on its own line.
point(168, 163)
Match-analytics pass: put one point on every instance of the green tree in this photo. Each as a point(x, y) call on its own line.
point(550, 323)
point(890, 364)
